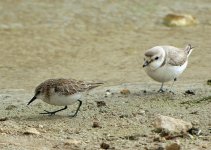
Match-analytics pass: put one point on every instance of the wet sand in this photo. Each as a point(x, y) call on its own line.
point(99, 40)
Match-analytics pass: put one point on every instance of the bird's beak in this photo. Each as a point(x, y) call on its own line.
point(146, 63)
point(33, 98)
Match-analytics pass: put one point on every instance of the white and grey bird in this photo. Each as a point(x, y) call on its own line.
point(166, 63)
point(62, 92)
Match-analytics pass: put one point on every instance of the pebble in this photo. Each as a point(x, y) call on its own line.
point(40, 126)
point(100, 103)
point(31, 131)
point(142, 112)
point(104, 146)
point(3, 119)
point(173, 20)
point(125, 92)
point(189, 92)
point(72, 142)
point(133, 137)
point(96, 125)
point(195, 131)
point(171, 124)
point(173, 146)
point(208, 82)
point(108, 93)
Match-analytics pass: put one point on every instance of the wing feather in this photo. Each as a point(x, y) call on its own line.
point(175, 56)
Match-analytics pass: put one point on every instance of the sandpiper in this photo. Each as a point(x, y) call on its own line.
point(62, 92)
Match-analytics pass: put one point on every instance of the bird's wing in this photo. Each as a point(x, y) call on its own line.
point(70, 87)
point(175, 56)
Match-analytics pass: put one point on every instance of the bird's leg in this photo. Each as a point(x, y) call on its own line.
point(53, 112)
point(80, 103)
point(161, 89)
point(175, 79)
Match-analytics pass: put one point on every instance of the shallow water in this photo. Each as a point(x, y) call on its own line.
point(95, 40)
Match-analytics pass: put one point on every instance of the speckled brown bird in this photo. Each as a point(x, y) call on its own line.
point(62, 92)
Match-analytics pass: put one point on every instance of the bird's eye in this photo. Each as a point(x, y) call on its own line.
point(38, 92)
point(156, 58)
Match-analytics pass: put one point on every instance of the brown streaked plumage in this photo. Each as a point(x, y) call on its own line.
point(62, 92)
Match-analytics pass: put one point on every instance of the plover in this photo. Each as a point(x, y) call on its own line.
point(62, 92)
point(166, 63)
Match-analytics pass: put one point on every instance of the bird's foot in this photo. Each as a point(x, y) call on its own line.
point(161, 91)
point(50, 113)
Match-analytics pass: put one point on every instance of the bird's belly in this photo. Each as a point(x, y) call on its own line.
point(166, 73)
point(62, 100)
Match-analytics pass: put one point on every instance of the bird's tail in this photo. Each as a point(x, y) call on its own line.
point(94, 84)
point(188, 49)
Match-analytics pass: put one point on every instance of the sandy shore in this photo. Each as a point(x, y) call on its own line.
point(99, 40)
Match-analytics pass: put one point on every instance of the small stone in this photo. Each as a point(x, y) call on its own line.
point(104, 146)
point(3, 119)
point(31, 131)
point(173, 20)
point(133, 137)
point(204, 146)
point(100, 103)
point(96, 125)
point(173, 146)
point(171, 124)
point(72, 142)
point(189, 92)
point(1, 130)
point(10, 107)
point(125, 92)
point(142, 112)
point(40, 126)
point(194, 131)
point(208, 82)
point(124, 116)
point(108, 93)
point(194, 112)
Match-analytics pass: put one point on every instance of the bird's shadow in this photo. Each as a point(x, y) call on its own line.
point(40, 117)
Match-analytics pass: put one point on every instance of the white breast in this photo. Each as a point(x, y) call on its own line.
point(166, 73)
point(62, 100)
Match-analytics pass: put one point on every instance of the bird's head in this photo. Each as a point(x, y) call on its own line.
point(154, 57)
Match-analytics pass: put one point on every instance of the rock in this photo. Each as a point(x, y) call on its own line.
point(104, 146)
point(32, 131)
point(194, 131)
point(142, 112)
point(108, 93)
point(171, 124)
point(72, 142)
point(189, 92)
point(96, 125)
point(3, 119)
point(179, 20)
point(125, 92)
point(208, 82)
point(100, 103)
point(173, 146)
point(133, 137)
point(1, 130)
point(40, 126)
